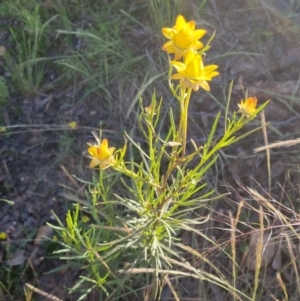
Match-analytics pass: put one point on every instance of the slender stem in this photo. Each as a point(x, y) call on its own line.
point(180, 126)
point(227, 135)
point(123, 170)
point(150, 142)
point(185, 114)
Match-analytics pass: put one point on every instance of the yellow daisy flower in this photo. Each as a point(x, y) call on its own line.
point(192, 73)
point(72, 124)
point(85, 219)
point(183, 37)
point(248, 107)
point(101, 154)
point(3, 236)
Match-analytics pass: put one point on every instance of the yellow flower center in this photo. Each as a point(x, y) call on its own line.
point(183, 39)
point(248, 106)
point(102, 154)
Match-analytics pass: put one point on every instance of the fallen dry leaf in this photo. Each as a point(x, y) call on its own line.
point(2, 50)
point(43, 231)
point(17, 258)
point(263, 252)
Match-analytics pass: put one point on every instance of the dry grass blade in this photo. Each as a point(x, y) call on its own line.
point(264, 129)
point(233, 247)
point(283, 287)
point(38, 291)
point(258, 251)
point(283, 218)
point(103, 262)
point(175, 295)
point(151, 271)
point(293, 259)
point(279, 144)
point(219, 280)
point(70, 177)
point(240, 206)
point(118, 229)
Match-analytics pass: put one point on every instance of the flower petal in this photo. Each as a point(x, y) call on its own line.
point(168, 32)
point(169, 47)
point(111, 150)
point(189, 57)
point(94, 162)
point(180, 22)
point(210, 68)
point(198, 45)
point(199, 33)
point(104, 143)
point(92, 151)
point(177, 76)
point(204, 85)
point(191, 25)
point(179, 66)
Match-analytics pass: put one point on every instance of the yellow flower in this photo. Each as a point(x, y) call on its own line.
point(247, 107)
point(85, 219)
point(101, 154)
point(151, 109)
point(3, 236)
point(192, 73)
point(72, 124)
point(183, 37)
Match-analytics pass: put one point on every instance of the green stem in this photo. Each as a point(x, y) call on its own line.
point(181, 102)
point(185, 113)
point(123, 170)
point(229, 133)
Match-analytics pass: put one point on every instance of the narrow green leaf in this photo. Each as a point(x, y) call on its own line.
point(211, 135)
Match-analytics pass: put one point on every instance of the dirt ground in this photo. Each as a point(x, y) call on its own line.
point(257, 45)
